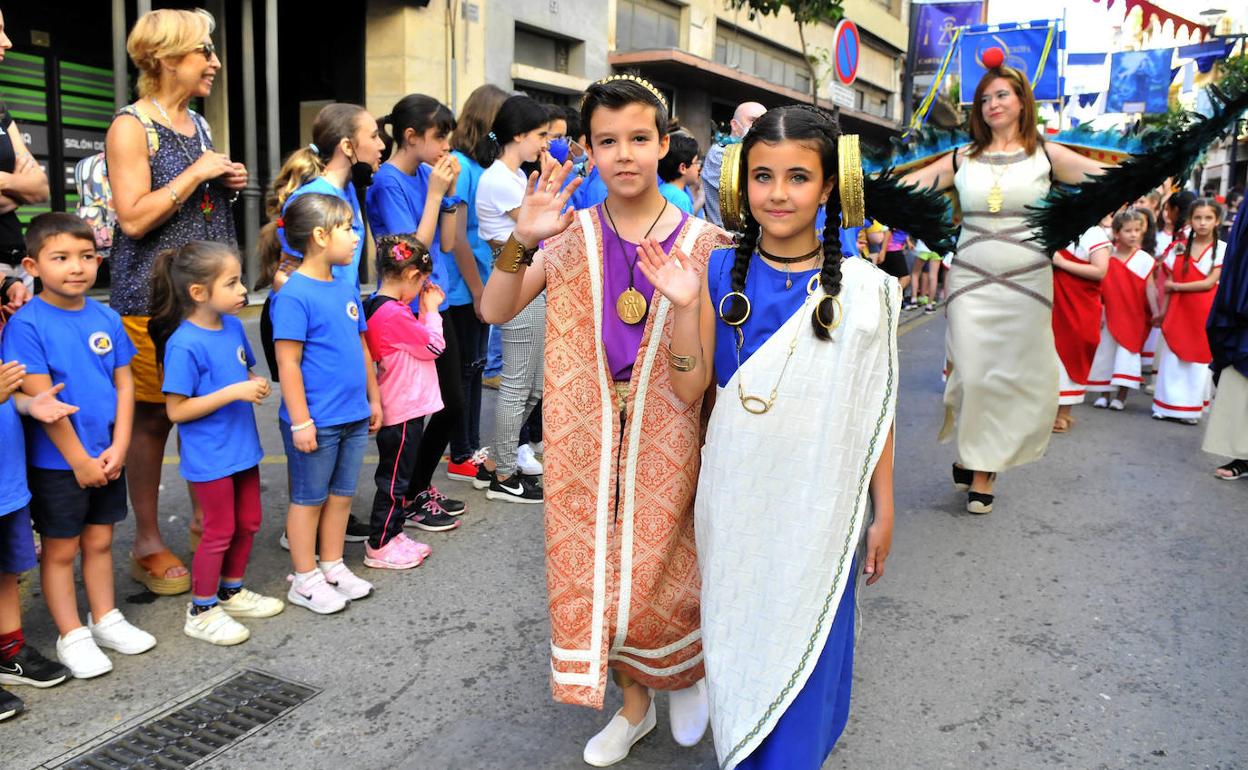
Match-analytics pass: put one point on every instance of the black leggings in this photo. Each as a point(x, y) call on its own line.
point(266, 337)
point(441, 425)
point(471, 335)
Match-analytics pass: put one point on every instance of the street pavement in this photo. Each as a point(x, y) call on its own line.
point(1094, 620)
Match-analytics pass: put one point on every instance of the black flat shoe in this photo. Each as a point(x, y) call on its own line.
point(978, 502)
point(962, 478)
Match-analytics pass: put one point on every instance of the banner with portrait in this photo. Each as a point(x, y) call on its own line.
point(1034, 48)
point(934, 27)
point(1139, 81)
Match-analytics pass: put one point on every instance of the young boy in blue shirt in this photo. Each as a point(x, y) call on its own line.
point(679, 169)
point(77, 479)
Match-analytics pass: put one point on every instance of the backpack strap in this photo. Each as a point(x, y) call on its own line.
point(149, 126)
point(955, 159)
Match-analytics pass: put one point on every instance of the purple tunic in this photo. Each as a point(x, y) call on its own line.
point(621, 340)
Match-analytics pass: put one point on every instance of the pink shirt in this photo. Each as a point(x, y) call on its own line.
point(404, 348)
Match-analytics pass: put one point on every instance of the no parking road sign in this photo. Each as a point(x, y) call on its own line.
point(845, 52)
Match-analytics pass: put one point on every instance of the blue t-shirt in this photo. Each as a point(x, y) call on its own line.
point(591, 192)
point(349, 273)
point(201, 361)
point(395, 204)
point(14, 494)
point(325, 316)
point(680, 198)
point(81, 348)
point(466, 190)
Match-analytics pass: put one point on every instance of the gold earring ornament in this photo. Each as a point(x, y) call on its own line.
point(849, 180)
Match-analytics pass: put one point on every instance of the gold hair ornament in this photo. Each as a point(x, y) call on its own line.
point(849, 180)
point(731, 205)
point(646, 84)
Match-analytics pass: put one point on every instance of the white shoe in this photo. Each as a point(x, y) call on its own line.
point(115, 632)
point(249, 604)
point(690, 713)
point(1100, 403)
point(526, 463)
point(315, 594)
point(345, 582)
point(613, 742)
point(538, 447)
point(78, 652)
point(1116, 405)
point(215, 627)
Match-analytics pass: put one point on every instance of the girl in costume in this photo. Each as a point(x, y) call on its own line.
point(622, 449)
point(1227, 431)
point(1002, 389)
point(1173, 219)
point(1130, 304)
point(1077, 311)
point(1190, 270)
point(802, 346)
point(413, 193)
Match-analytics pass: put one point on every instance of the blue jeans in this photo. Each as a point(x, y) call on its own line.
point(494, 354)
point(332, 468)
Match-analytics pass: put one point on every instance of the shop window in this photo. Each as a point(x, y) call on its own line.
point(538, 50)
point(646, 24)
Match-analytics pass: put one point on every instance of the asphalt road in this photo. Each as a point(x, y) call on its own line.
point(1096, 619)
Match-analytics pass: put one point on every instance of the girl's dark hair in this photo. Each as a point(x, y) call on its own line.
point(1149, 241)
point(333, 123)
point(617, 93)
point(396, 253)
point(681, 149)
point(308, 212)
point(810, 125)
point(573, 119)
point(476, 119)
point(173, 274)
point(417, 112)
point(518, 115)
point(1201, 203)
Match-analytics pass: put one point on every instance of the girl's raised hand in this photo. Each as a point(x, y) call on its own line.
point(443, 175)
point(431, 296)
point(46, 408)
point(673, 275)
point(542, 213)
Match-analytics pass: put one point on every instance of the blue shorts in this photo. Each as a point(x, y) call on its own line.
point(17, 543)
point(61, 508)
point(332, 469)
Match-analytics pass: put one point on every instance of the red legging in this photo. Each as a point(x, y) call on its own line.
point(231, 519)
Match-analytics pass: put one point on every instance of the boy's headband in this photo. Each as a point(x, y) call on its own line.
point(639, 81)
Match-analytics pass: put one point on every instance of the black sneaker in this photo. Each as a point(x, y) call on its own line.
point(453, 507)
point(517, 489)
point(30, 667)
point(10, 704)
point(484, 478)
point(429, 516)
point(357, 531)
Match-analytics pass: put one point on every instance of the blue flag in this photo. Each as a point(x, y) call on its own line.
point(933, 34)
point(1139, 81)
point(1033, 49)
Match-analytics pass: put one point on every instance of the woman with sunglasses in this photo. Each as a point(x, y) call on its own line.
point(169, 187)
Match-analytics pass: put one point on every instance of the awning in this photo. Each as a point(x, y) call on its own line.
point(677, 67)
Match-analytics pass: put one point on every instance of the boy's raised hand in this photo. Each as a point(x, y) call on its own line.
point(542, 213)
point(673, 275)
point(47, 408)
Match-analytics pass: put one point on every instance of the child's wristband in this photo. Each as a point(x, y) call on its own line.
point(301, 426)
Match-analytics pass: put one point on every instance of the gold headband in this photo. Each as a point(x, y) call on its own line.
point(732, 204)
point(646, 84)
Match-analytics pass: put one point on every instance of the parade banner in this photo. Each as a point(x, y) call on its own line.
point(1033, 47)
point(1139, 81)
point(933, 33)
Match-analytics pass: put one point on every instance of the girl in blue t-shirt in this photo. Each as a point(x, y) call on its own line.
point(209, 389)
point(330, 402)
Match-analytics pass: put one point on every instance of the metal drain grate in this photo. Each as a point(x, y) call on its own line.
point(199, 729)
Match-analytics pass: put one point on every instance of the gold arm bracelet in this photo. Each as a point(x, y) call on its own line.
point(681, 363)
point(173, 194)
point(512, 255)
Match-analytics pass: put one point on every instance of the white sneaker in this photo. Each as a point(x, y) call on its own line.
point(78, 652)
point(215, 627)
point(345, 582)
point(1116, 405)
point(249, 604)
point(315, 594)
point(115, 632)
point(1100, 403)
point(538, 447)
point(526, 462)
point(690, 713)
point(614, 741)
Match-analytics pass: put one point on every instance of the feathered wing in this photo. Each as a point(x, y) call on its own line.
point(923, 213)
point(1068, 211)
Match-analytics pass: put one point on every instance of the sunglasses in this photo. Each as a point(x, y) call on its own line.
point(207, 49)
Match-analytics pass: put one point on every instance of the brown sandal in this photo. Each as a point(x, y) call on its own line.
point(150, 571)
point(1062, 424)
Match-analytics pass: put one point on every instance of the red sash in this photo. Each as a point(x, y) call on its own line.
point(1187, 314)
point(1126, 305)
point(1076, 320)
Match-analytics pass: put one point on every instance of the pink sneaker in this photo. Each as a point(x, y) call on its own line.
point(393, 555)
point(345, 582)
point(414, 546)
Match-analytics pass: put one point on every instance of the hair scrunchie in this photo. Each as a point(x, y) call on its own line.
point(492, 137)
point(314, 149)
point(280, 222)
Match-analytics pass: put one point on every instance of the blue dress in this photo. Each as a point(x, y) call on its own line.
point(807, 732)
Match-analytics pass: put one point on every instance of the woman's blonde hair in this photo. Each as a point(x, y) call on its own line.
point(164, 34)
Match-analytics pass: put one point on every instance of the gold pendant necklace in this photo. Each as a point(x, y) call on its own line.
point(996, 198)
point(788, 262)
point(631, 305)
point(758, 404)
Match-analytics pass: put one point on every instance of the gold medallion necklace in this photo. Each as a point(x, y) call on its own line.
point(631, 305)
point(996, 198)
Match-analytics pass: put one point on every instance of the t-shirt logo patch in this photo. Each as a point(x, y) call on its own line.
point(101, 343)
point(242, 355)
point(353, 311)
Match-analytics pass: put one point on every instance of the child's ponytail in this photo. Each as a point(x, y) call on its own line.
point(167, 312)
point(173, 274)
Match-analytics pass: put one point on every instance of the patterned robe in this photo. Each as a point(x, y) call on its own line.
point(621, 566)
